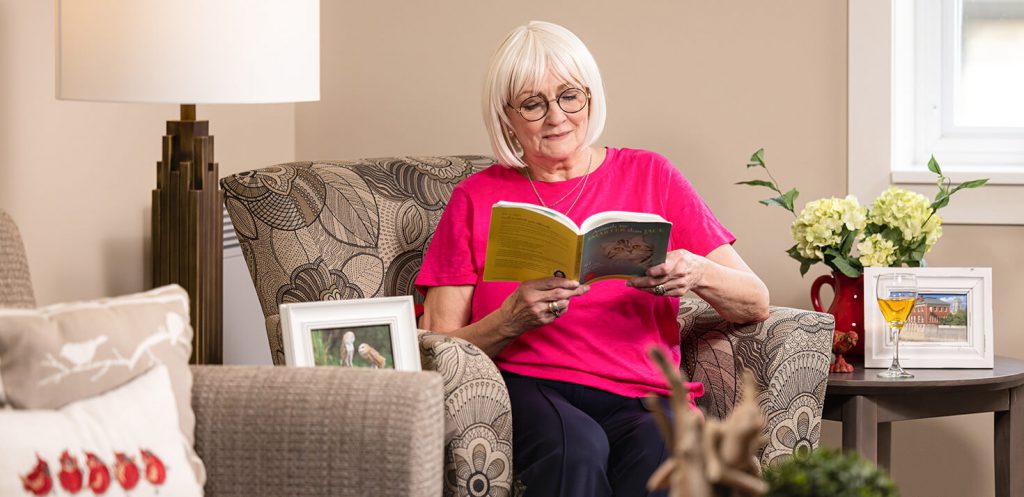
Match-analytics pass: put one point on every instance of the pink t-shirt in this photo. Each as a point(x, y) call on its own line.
point(602, 339)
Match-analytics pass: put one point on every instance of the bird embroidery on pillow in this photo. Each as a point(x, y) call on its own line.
point(99, 475)
point(175, 328)
point(38, 481)
point(156, 472)
point(126, 471)
point(81, 353)
point(70, 474)
point(371, 355)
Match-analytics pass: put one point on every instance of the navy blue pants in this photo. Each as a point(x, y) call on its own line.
point(572, 440)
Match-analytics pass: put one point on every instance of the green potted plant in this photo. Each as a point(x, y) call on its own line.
point(828, 473)
point(898, 228)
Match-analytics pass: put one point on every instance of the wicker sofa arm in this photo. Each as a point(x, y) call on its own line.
point(789, 356)
point(477, 415)
point(270, 431)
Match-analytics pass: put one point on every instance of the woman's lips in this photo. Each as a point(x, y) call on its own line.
point(557, 136)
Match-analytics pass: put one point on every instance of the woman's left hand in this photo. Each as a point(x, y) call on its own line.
point(680, 273)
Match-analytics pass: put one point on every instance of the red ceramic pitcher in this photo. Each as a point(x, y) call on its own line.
point(847, 307)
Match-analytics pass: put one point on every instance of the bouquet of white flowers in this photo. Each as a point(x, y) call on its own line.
point(899, 228)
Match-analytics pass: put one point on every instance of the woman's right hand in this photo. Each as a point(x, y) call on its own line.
point(529, 306)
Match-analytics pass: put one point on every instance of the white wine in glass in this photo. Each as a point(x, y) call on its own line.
point(897, 295)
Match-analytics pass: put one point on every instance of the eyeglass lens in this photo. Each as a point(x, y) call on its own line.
point(570, 101)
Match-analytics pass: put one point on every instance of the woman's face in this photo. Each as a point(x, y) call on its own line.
point(556, 136)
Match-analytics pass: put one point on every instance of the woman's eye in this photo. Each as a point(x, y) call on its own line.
point(530, 106)
point(569, 98)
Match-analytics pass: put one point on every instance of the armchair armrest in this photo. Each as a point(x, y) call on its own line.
point(788, 353)
point(269, 431)
point(477, 416)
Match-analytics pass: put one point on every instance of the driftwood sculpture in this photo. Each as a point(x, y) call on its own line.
point(712, 459)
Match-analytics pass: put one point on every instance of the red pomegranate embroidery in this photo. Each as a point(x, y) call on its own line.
point(70, 475)
point(38, 481)
point(99, 475)
point(126, 471)
point(156, 473)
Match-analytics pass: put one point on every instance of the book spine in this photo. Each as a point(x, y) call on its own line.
point(579, 259)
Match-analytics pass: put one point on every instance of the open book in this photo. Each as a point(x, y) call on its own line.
point(529, 241)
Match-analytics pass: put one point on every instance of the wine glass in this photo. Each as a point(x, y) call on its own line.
point(897, 294)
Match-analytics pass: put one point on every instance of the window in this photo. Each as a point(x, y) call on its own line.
point(943, 78)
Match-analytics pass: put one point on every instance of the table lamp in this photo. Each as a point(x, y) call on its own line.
point(189, 52)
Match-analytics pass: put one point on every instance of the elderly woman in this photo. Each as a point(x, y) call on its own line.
point(574, 355)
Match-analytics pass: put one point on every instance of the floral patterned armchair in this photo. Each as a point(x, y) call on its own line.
point(353, 229)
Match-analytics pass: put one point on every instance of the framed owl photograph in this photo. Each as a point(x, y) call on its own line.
point(376, 333)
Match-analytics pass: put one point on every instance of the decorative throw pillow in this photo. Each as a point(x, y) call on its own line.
point(123, 442)
point(58, 354)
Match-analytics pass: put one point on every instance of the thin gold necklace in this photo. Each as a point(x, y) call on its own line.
point(583, 185)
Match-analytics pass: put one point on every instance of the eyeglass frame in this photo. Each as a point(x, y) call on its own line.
point(547, 103)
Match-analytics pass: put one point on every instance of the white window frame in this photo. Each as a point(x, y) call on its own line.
point(880, 142)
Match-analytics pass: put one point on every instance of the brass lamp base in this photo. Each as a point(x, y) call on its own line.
point(188, 229)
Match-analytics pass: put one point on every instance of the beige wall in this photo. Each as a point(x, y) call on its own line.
point(404, 78)
point(77, 177)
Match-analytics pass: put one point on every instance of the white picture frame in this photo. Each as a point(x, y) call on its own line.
point(348, 333)
point(934, 336)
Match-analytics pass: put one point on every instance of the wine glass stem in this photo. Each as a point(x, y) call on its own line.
point(896, 343)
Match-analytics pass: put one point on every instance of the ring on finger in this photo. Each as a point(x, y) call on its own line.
point(554, 309)
point(659, 290)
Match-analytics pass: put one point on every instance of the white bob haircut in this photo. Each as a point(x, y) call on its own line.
point(522, 62)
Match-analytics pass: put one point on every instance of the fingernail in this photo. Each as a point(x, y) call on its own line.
point(586, 288)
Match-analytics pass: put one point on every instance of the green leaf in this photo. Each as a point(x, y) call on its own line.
point(757, 160)
point(794, 253)
point(846, 244)
point(941, 201)
point(933, 166)
point(969, 184)
point(805, 263)
point(894, 235)
point(788, 198)
point(846, 267)
point(759, 182)
point(785, 200)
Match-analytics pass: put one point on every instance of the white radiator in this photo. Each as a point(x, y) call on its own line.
point(245, 335)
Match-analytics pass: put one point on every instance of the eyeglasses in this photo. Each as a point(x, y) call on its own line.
point(570, 101)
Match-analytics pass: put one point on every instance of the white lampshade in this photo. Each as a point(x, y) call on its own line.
point(188, 51)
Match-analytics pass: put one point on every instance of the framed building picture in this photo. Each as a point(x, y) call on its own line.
point(950, 325)
point(377, 333)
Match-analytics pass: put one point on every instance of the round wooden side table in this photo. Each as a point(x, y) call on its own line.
point(867, 405)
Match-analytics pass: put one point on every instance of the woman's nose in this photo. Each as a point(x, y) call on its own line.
point(555, 114)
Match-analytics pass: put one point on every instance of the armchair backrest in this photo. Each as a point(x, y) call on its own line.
point(15, 283)
point(339, 229)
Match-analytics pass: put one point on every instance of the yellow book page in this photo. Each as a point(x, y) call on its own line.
point(524, 245)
